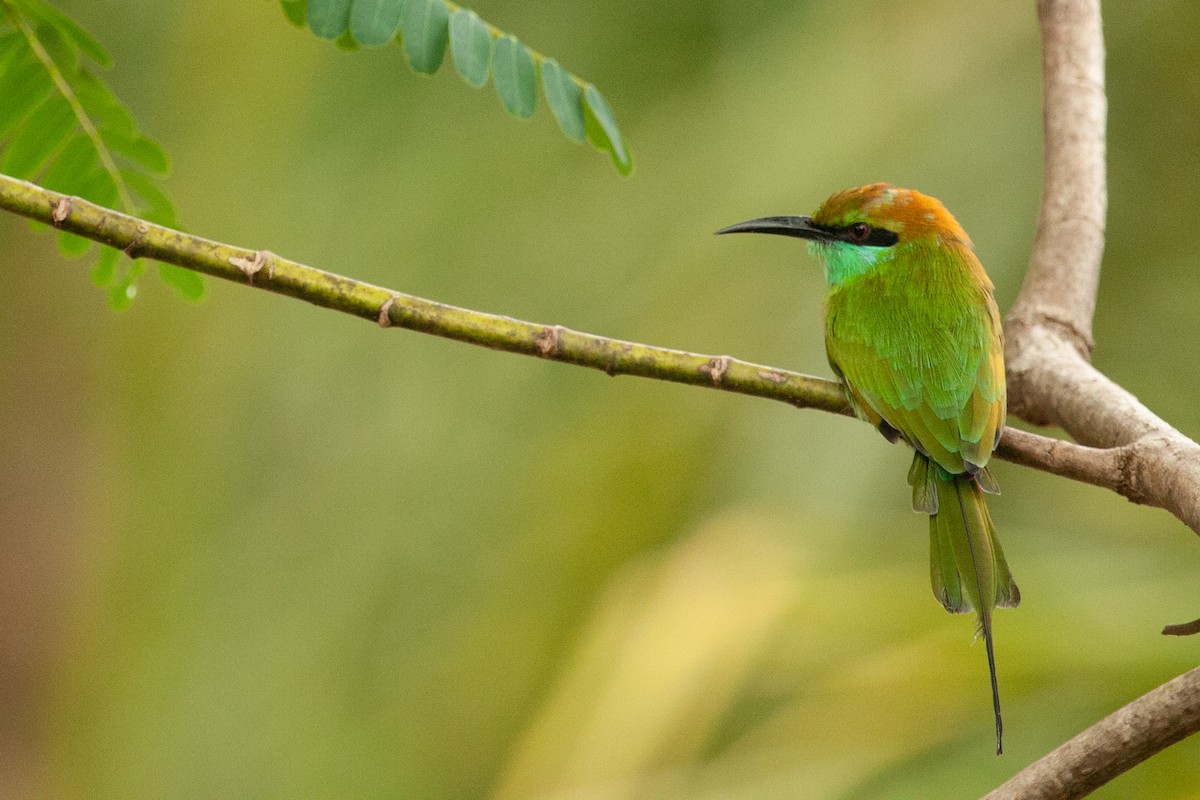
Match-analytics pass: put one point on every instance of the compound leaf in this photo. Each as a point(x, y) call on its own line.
point(425, 28)
point(61, 125)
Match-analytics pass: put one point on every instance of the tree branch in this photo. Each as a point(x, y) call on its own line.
point(263, 270)
point(1116, 469)
point(1064, 271)
point(1120, 741)
point(1052, 382)
point(1049, 329)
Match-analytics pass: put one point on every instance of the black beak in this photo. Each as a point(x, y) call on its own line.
point(800, 227)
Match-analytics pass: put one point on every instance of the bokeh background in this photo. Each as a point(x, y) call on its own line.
point(252, 548)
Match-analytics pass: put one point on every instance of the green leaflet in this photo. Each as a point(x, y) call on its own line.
point(73, 246)
point(46, 129)
point(104, 271)
point(565, 100)
point(62, 52)
point(374, 23)
point(70, 30)
point(74, 165)
point(346, 42)
point(471, 46)
point(23, 84)
point(602, 130)
point(295, 11)
point(328, 19)
point(101, 105)
point(122, 290)
point(156, 206)
point(61, 126)
point(185, 281)
point(138, 148)
point(426, 27)
point(515, 76)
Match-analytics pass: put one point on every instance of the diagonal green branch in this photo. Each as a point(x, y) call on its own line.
point(263, 270)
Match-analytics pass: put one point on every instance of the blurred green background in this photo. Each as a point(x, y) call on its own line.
point(257, 549)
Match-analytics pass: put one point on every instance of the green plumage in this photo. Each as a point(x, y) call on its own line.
point(913, 333)
point(962, 542)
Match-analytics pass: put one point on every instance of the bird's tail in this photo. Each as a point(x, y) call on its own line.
point(967, 565)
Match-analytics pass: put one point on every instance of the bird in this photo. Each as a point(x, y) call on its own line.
point(913, 334)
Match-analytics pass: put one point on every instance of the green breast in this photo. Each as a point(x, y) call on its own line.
point(915, 337)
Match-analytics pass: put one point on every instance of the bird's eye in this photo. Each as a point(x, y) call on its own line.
point(858, 232)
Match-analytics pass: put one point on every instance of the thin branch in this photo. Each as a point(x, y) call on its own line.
point(263, 270)
point(270, 272)
point(1115, 744)
point(1182, 629)
point(1104, 467)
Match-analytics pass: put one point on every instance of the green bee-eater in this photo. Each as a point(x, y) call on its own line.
point(913, 334)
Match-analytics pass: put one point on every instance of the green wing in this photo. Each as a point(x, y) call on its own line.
point(928, 363)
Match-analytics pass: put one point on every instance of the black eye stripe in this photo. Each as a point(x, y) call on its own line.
point(876, 237)
point(881, 237)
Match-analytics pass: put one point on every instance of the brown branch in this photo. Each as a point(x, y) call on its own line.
point(1049, 329)
point(1052, 382)
point(1104, 467)
point(1182, 629)
point(1115, 744)
point(1064, 272)
point(1154, 470)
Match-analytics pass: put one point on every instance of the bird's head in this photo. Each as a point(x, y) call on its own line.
point(860, 229)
